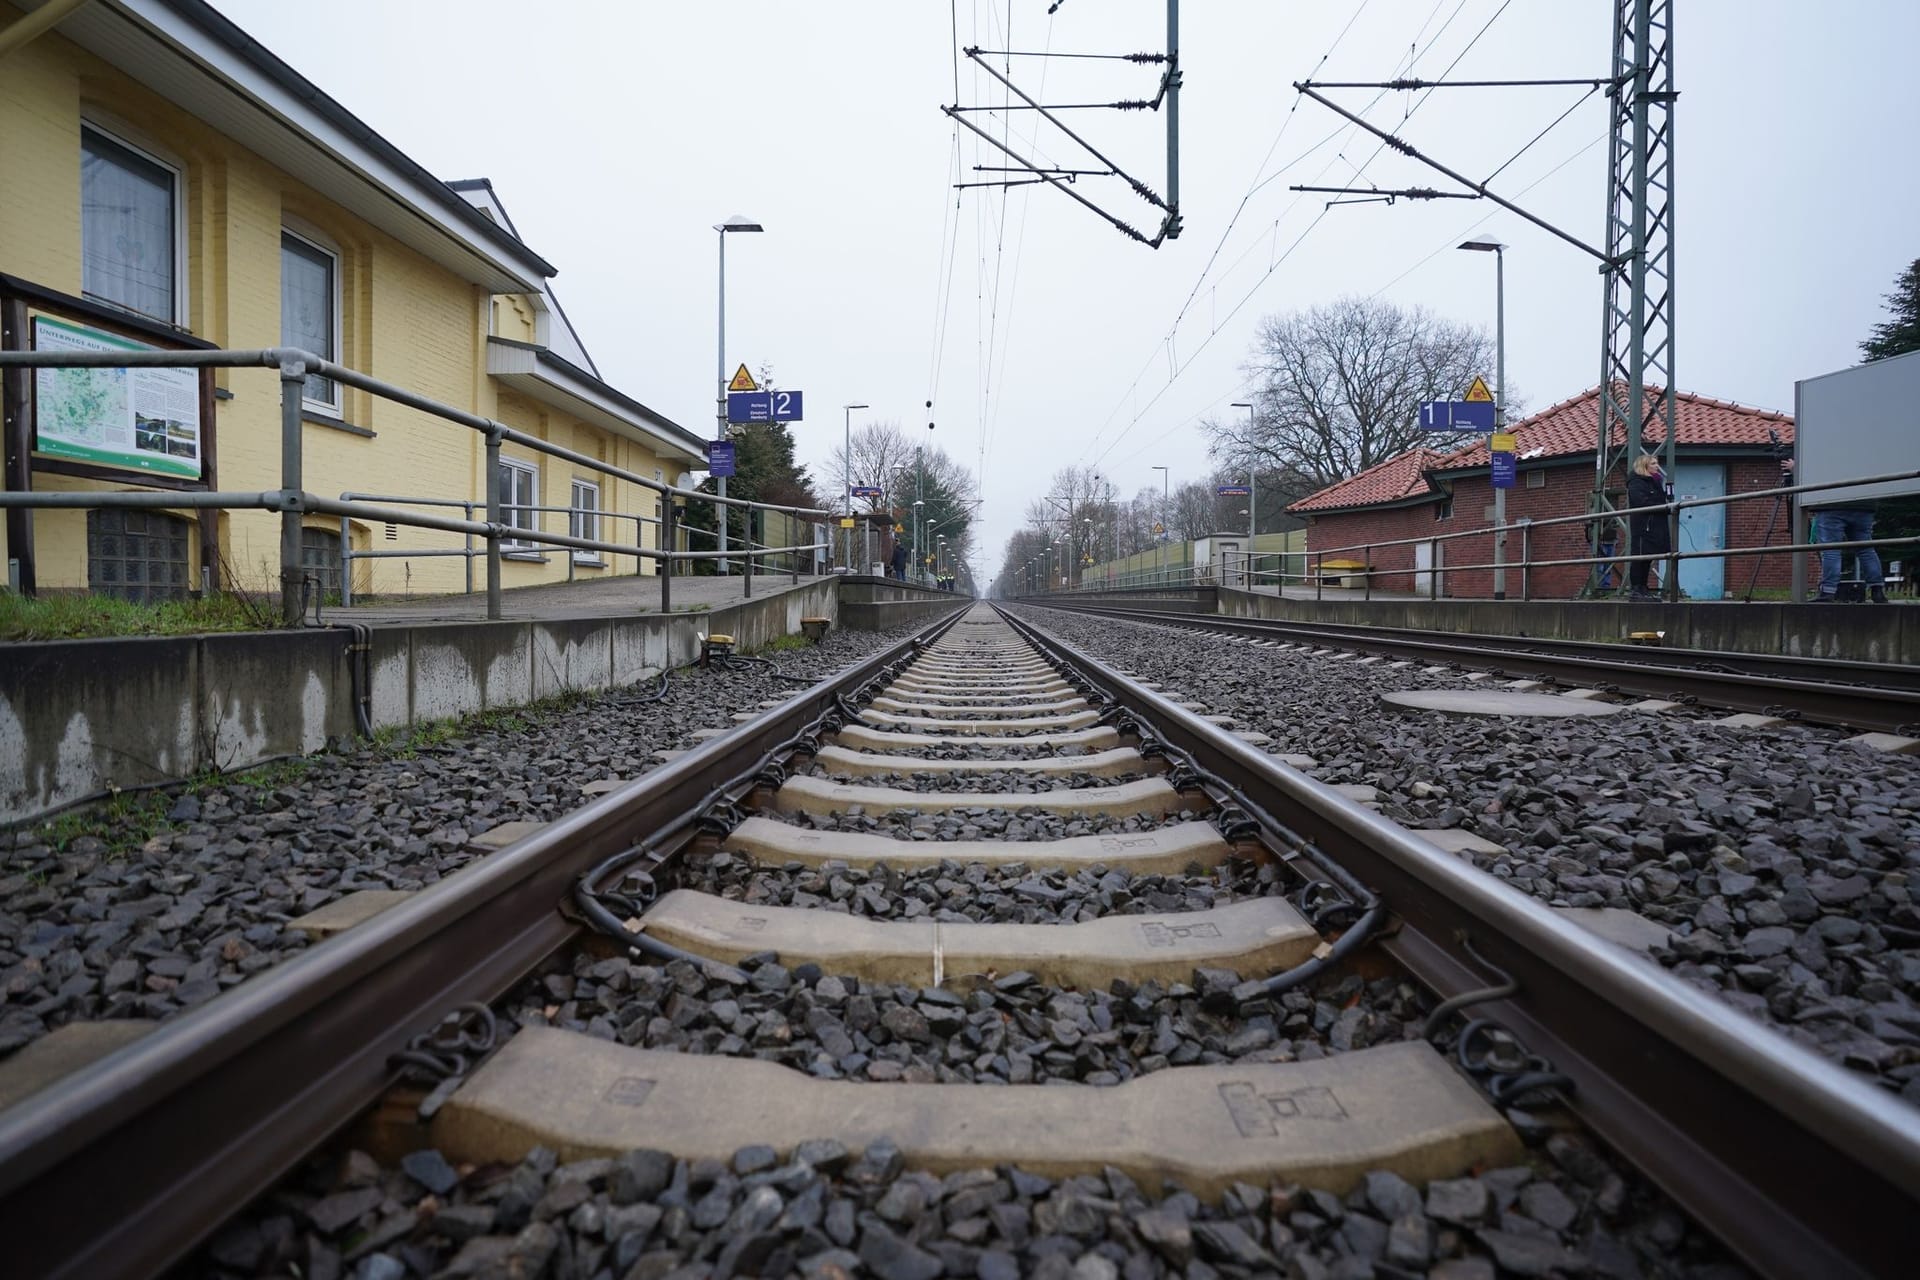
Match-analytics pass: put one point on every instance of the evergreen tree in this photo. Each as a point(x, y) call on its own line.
point(1901, 333)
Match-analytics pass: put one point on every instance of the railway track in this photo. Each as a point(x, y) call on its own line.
point(790, 954)
point(1877, 696)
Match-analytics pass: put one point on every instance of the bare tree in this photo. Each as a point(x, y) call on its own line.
point(1338, 388)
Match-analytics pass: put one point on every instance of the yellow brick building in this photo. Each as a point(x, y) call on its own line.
point(166, 181)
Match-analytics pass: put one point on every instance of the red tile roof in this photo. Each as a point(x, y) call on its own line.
point(1569, 428)
point(1560, 430)
point(1403, 476)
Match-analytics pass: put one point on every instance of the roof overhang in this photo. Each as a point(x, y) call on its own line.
point(194, 57)
point(542, 376)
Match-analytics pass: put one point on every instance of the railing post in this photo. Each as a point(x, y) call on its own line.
point(1526, 561)
point(1366, 573)
point(493, 524)
point(1319, 575)
point(293, 381)
point(466, 506)
point(746, 558)
point(1433, 569)
point(346, 563)
point(666, 549)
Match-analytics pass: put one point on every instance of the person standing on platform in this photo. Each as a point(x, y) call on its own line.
point(899, 560)
point(1647, 530)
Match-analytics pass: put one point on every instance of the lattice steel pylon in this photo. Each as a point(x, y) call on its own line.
point(1637, 329)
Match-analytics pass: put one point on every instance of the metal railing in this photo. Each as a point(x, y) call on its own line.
point(1316, 570)
point(294, 504)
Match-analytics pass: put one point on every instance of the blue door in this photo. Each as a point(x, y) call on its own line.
point(1702, 528)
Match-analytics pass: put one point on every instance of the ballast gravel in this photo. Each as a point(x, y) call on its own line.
point(133, 923)
point(1005, 1029)
point(954, 892)
point(1781, 859)
point(822, 1212)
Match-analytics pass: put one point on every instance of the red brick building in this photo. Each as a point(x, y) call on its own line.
point(1428, 494)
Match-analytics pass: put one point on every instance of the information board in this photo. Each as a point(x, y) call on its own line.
point(144, 419)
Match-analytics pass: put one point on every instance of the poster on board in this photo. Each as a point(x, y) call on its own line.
point(144, 419)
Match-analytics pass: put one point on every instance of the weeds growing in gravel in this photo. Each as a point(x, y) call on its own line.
point(124, 822)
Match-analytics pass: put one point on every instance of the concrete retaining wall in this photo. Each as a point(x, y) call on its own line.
point(78, 717)
point(874, 604)
point(1855, 633)
point(1164, 599)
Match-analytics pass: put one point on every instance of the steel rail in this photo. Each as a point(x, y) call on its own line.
point(1879, 696)
point(1802, 1168)
point(118, 1170)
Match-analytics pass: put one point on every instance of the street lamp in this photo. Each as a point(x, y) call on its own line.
point(735, 223)
point(1487, 244)
point(1160, 537)
point(917, 504)
point(846, 423)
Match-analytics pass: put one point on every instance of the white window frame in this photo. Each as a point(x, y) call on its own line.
point(334, 409)
point(584, 522)
point(117, 134)
point(529, 520)
point(1537, 478)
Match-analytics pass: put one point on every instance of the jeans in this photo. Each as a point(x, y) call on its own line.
point(1845, 524)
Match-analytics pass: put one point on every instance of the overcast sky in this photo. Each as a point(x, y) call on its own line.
point(618, 134)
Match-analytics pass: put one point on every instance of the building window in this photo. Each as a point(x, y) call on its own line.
point(519, 489)
point(136, 555)
point(129, 228)
point(310, 310)
point(1443, 509)
point(583, 520)
point(1537, 478)
point(320, 560)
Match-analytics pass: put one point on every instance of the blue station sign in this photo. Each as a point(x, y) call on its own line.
point(1456, 415)
point(719, 458)
point(866, 491)
point(764, 406)
point(1233, 490)
point(1504, 470)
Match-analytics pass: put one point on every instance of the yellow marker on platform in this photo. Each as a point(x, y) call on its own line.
point(1501, 442)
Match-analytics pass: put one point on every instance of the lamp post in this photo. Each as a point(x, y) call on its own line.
point(1487, 244)
point(1160, 538)
point(917, 504)
point(846, 423)
point(735, 223)
point(1253, 502)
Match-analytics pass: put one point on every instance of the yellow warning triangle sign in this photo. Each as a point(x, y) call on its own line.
point(1476, 394)
point(743, 381)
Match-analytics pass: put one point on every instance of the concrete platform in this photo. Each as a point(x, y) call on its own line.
point(1321, 1123)
point(888, 719)
point(343, 913)
point(1097, 738)
point(1103, 764)
point(63, 1051)
point(1254, 938)
point(1010, 710)
point(1493, 702)
point(1152, 796)
point(1163, 851)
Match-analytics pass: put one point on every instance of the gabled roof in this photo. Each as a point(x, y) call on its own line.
point(1395, 480)
point(1563, 430)
point(563, 337)
point(1569, 428)
point(193, 56)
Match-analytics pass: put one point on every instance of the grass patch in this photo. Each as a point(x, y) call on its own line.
point(124, 822)
point(81, 617)
point(785, 644)
point(691, 608)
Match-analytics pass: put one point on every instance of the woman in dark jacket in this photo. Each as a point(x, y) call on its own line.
point(1646, 487)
